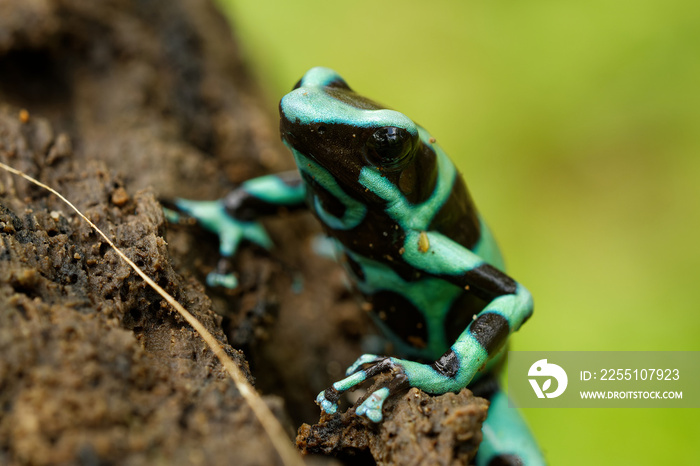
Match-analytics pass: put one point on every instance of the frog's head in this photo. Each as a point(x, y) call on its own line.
point(325, 121)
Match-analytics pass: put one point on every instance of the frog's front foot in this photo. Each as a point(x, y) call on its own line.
point(222, 275)
point(213, 216)
point(227, 280)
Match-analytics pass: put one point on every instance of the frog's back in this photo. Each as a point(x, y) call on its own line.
point(422, 315)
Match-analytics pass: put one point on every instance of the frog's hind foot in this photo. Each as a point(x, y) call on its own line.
point(373, 404)
point(366, 367)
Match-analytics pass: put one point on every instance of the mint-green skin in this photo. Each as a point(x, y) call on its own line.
point(357, 191)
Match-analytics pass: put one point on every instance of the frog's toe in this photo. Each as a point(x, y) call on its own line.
point(226, 280)
point(171, 215)
point(361, 361)
point(329, 406)
point(372, 406)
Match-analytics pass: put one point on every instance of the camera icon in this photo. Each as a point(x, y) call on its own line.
point(542, 368)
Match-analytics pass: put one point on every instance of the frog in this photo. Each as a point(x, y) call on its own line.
point(405, 229)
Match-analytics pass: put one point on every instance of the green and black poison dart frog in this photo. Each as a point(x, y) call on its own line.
point(406, 230)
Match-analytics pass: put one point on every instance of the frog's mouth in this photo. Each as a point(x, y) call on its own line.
point(335, 147)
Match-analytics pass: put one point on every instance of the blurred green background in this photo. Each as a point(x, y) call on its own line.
point(577, 128)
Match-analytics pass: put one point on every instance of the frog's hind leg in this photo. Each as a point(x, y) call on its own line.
point(507, 439)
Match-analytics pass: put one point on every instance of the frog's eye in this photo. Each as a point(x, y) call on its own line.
point(388, 146)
